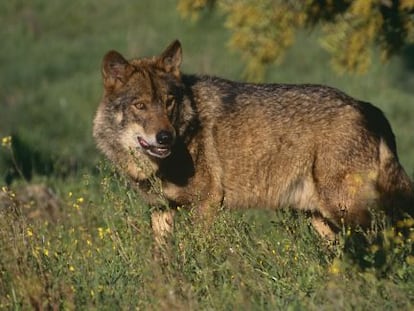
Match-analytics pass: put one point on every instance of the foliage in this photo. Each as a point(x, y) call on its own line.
point(97, 253)
point(263, 30)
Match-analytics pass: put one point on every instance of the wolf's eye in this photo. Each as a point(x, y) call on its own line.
point(139, 105)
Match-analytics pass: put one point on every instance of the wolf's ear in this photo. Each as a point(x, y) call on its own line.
point(115, 69)
point(170, 59)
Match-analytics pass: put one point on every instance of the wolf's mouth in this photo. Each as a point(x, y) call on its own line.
point(155, 151)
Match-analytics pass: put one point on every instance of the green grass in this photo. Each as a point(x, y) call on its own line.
point(97, 253)
point(90, 245)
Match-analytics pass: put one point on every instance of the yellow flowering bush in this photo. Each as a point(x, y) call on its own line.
point(263, 30)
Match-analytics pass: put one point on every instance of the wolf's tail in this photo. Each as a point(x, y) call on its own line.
point(395, 187)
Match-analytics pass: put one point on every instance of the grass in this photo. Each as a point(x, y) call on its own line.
point(97, 253)
point(87, 243)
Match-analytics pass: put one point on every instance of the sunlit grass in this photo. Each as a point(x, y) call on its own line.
point(98, 252)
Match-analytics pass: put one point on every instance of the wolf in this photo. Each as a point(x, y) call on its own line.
point(204, 142)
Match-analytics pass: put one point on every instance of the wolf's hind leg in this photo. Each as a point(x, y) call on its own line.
point(347, 198)
point(322, 226)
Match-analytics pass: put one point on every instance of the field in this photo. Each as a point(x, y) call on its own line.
point(74, 236)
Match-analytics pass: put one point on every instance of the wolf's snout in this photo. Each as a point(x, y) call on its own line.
point(164, 137)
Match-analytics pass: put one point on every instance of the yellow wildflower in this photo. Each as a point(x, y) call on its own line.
point(6, 141)
point(101, 233)
point(29, 232)
point(336, 267)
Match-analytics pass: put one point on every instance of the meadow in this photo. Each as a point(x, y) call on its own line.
point(73, 235)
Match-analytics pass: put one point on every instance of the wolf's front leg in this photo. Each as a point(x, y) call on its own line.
point(162, 223)
point(208, 206)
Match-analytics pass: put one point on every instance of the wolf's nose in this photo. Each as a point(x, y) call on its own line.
point(164, 137)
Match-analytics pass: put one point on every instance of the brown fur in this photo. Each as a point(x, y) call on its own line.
point(234, 144)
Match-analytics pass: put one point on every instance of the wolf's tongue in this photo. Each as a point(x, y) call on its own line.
point(143, 143)
point(159, 152)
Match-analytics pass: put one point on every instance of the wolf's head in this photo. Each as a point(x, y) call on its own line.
point(139, 112)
